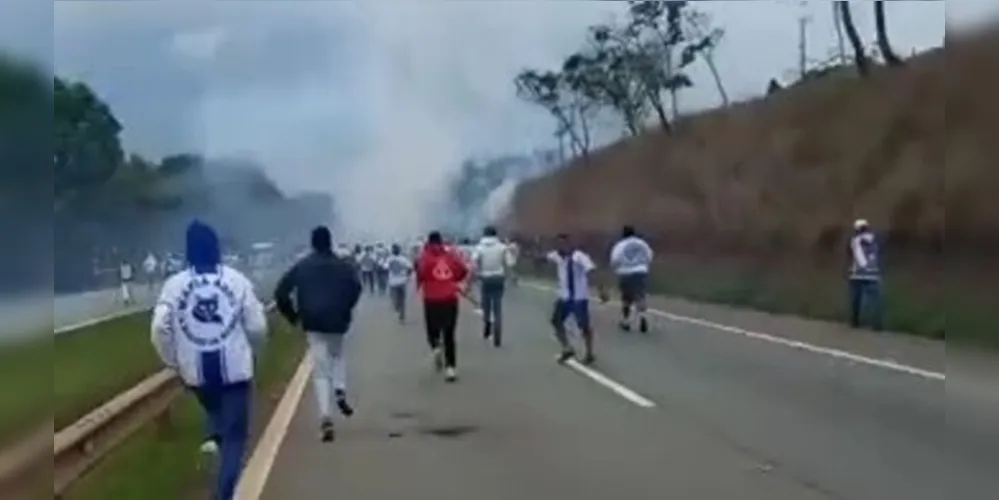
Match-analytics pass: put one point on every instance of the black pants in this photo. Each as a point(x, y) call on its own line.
point(442, 319)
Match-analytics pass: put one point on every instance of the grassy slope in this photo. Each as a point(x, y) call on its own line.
point(751, 205)
point(164, 463)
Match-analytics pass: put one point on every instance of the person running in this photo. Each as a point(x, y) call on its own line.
point(126, 274)
point(399, 268)
point(631, 259)
point(514, 251)
point(206, 326)
point(573, 267)
point(492, 262)
point(366, 263)
point(382, 254)
point(319, 294)
point(440, 274)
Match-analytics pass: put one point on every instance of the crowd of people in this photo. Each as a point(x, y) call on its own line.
point(208, 322)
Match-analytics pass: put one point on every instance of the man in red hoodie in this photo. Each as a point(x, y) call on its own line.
point(440, 273)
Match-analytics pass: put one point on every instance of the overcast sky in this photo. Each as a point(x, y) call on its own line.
point(337, 95)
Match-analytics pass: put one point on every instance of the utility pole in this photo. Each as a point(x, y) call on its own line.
point(803, 21)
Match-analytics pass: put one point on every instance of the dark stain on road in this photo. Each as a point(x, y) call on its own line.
point(449, 431)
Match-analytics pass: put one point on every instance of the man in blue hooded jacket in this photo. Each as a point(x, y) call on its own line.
point(205, 326)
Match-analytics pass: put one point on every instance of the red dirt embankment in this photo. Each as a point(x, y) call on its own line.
point(780, 179)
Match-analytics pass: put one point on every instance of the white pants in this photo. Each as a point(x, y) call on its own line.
point(329, 369)
point(126, 292)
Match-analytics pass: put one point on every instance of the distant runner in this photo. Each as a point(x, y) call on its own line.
point(382, 254)
point(127, 275)
point(492, 261)
point(514, 250)
point(573, 267)
point(367, 264)
point(399, 270)
point(151, 267)
point(440, 274)
point(631, 259)
point(865, 276)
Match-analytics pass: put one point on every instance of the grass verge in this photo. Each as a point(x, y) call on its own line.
point(25, 384)
point(163, 462)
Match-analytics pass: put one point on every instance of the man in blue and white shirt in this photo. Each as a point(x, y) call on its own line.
point(865, 275)
point(631, 259)
point(573, 267)
point(206, 325)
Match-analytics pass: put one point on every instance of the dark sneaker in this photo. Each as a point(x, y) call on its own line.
point(565, 355)
point(625, 326)
point(344, 407)
point(589, 359)
point(326, 431)
point(643, 325)
point(487, 330)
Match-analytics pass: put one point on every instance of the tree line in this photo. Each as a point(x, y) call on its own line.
point(635, 70)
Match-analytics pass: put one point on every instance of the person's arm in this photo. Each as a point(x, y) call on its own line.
point(282, 295)
point(615, 254)
point(161, 328)
point(858, 251)
point(651, 252)
point(352, 282)
point(254, 315)
point(598, 279)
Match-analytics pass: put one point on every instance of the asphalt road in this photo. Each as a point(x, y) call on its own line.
point(729, 416)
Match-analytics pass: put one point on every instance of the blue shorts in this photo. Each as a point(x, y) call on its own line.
point(578, 309)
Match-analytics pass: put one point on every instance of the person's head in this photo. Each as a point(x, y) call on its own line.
point(435, 239)
point(489, 232)
point(396, 249)
point(628, 231)
point(322, 240)
point(563, 244)
point(203, 252)
point(861, 225)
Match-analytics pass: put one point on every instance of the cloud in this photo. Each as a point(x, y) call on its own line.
point(378, 102)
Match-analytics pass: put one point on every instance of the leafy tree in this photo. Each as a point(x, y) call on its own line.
point(87, 149)
point(553, 92)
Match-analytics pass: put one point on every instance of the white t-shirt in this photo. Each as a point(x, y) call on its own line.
point(150, 264)
point(399, 269)
point(126, 272)
point(631, 255)
point(581, 265)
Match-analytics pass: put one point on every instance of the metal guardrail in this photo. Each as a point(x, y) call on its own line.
point(77, 448)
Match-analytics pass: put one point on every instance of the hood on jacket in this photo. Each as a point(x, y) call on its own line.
point(203, 252)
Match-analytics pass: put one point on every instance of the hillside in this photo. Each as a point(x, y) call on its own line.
point(774, 184)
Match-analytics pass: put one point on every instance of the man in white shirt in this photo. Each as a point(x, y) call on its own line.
point(399, 270)
point(150, 267)
point(206, 325)
point(491, 261)
point(631, 259)
point(574, 267)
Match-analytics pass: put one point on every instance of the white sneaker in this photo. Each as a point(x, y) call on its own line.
point(209, 447)
point(450, 374)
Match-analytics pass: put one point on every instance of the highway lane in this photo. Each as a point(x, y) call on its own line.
point(734, 417)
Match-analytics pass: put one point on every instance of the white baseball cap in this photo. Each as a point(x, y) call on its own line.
point(860, 223)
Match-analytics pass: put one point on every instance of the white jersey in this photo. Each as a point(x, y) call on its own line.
point(150, 264)
point(631, 255)
point(491, 258)
point(205, 326)
point(399, 269)
point(573, 285)
point(125, 272)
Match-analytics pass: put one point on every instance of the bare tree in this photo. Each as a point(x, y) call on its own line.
point(884, 45)
point(572, 113)
point(860, 57)
point(708, 39)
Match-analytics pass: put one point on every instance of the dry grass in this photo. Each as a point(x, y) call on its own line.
point(781, 178)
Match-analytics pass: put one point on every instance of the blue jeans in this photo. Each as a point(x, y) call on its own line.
point(228, 410)
point(865, 295)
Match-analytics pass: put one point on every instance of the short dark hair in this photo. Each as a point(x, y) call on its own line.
point(435, 238)
point(627, 231)
point(489, 231)
point(322, 239)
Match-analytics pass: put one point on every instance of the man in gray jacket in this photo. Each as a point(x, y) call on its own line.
point(492, 261)
point(326, 289)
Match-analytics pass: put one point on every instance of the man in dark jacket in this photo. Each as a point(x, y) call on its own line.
point(326, 289)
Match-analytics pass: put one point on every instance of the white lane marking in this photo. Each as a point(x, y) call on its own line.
point(258, 468)
point(794, 344)
point(609, 383)
point(604, 380)
point(101, 319)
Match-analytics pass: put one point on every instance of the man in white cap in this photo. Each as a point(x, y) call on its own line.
point(865, 275)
